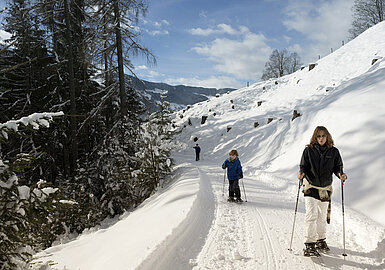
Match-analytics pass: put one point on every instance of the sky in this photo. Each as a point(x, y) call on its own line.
point(227, 43)
point(188, 223)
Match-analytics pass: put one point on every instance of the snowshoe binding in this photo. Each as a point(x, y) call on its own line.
point(310, 250)
point(239, 200)
point(231, 199)
point(322, 246)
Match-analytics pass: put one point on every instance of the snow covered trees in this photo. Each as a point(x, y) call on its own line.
point(281, 63)
point(366, 13)
point(155, 151)
point(66, 56)
point(27, 212)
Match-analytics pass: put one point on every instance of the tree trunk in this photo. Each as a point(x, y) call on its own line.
point(119, 47)
point(74, 146)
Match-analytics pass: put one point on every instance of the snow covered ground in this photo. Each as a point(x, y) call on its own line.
point(189, 225)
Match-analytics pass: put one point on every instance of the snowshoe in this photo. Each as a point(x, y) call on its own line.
point(231, 199)
point(322, 246)
point(310, 250)
point(239, 200)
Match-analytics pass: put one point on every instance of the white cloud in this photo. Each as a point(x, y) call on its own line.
point(244, 57)
point(324, 23)
point(219, 29)
point(296, 48)
point(157, 24)
point(152, 74)
point(142, 67)
point(211, 82)
point(158, 32)
point(165, 22)
point(156, 28)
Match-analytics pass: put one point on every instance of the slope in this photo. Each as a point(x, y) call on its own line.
point(188, 224)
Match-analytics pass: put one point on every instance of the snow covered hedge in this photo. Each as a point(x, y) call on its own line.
point(27, 213)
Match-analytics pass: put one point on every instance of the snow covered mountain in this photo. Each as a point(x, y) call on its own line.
point(189, 225)
point(178, 96)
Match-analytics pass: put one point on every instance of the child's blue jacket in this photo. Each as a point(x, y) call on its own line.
point(234, 169)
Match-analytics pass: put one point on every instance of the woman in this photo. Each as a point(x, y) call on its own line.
point(319, 161)
point(234, 173)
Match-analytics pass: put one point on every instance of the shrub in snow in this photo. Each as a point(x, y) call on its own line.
point(295, 115)
point(204, 118)
point(269, 120)
point(311, 66)
point(375, 59)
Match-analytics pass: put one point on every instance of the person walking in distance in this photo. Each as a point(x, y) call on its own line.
point(197, 152)
point(234, 173)
point(320, 159)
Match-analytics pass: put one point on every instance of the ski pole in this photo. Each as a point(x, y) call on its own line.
point(224, 179)
point(295, 214)
point(343, 217)
point(244, 192)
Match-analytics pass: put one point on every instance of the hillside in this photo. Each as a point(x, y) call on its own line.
point(342, 93)
point(189, 225)
point(178, 96)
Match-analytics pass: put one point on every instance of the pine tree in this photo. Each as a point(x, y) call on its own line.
point(156, 148)
point(28, 217)
point(25, 84)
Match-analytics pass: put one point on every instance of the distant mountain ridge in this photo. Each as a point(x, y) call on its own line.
point(178, 96)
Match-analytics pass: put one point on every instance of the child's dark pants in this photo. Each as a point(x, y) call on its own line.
point(234, 189)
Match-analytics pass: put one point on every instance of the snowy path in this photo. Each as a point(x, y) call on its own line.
point(190, 225)
point(186, 241)
point(256, 235)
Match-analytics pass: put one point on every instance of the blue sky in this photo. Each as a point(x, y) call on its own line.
point(226, 43)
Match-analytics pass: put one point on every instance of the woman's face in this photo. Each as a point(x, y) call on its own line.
point(321, 138)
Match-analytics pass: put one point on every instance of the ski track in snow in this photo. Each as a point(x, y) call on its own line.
point(256, 234)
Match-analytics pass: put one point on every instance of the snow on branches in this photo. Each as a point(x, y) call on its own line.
point(34, 120)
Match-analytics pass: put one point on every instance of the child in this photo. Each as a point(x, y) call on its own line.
point(234, 173)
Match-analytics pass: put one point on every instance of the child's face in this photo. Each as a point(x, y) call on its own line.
point(233, 157)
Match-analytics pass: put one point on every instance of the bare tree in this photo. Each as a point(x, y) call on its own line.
point(295, 63)
point(366, 13)
point(281, 63)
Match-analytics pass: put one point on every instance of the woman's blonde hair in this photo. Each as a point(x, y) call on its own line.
point(233, 153)
point(329, 139)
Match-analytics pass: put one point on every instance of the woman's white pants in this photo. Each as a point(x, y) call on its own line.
point(315, 219)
